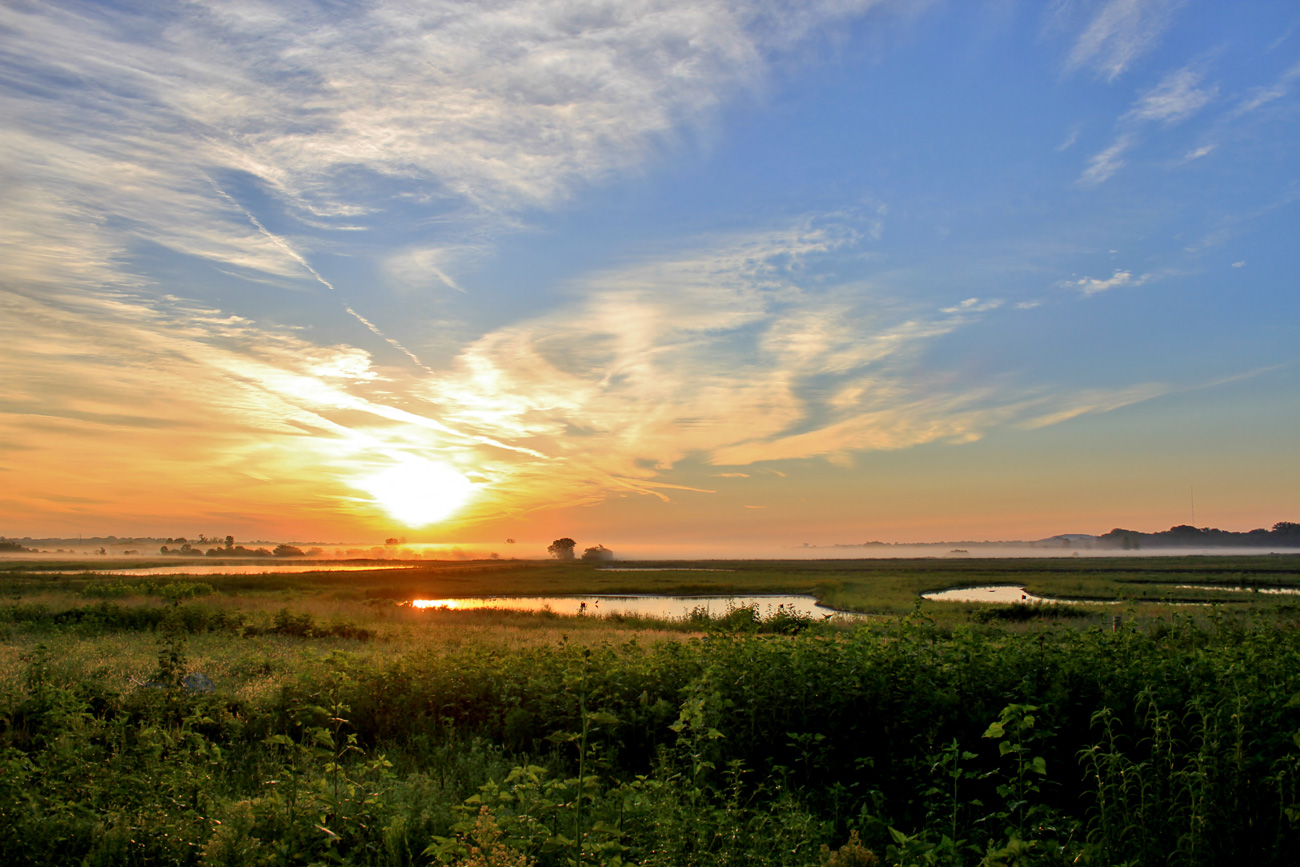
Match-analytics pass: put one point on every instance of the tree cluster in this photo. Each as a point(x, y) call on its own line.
point(229, 550)
point(1284, 534)
point(562, 549)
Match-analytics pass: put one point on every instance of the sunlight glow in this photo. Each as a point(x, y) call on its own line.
point(419, 492)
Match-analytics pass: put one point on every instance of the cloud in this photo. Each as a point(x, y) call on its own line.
point(1093, 285)
point(1094, 401)
point(1105, 164)
point(422, 266)
point(1118, 33)
point(164, 407)
point(728, 355)
point(244, 134)
point(1174, 99)
point(974, 305)
point(1070, 138)
point(1264, 95)
point(1202, 151)
point(118, 123)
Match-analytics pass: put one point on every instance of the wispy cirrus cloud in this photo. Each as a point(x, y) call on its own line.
point(1177, 97)
point(1095, 285)
point(1103, 165)
point(727, 355)
point(1261, 96)
point(975, 305)
point(1115, 33)
point(125, 120)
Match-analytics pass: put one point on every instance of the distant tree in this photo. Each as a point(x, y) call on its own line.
point(562, 549)
point(287, 551)
point(598, 554)
point(230, 542)
point(1286, 528)
point(391, 540)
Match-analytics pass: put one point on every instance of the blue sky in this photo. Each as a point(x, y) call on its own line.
point(649, 270)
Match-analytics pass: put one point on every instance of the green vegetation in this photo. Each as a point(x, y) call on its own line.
point(345, 728)
point(870, 586)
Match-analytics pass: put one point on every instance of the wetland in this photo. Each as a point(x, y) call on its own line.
point(345, 725)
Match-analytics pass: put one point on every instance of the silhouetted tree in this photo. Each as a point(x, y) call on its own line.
point(598, 554)
point(562, 549)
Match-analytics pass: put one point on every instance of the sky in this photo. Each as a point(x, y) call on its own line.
point(717, 274)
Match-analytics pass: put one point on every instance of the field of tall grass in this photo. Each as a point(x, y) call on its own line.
point(333, 724)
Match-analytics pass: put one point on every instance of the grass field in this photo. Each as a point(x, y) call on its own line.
point(348, 727)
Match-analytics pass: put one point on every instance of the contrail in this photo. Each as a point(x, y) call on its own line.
point(284, 245)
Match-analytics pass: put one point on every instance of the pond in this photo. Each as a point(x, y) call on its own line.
point(667, 607)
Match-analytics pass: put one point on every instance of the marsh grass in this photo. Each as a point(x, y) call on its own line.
point(871, 585)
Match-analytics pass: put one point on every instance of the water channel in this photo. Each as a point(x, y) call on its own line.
point(1007, 594)
point(1287, 591)
point(1004, 594)
point(666, 607)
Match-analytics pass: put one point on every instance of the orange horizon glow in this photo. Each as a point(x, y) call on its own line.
point(259, 434)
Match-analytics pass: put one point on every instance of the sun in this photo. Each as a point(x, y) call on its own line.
point(419, 492)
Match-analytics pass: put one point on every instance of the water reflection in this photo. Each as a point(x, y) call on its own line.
point(1001, 594)
point(666, 607)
